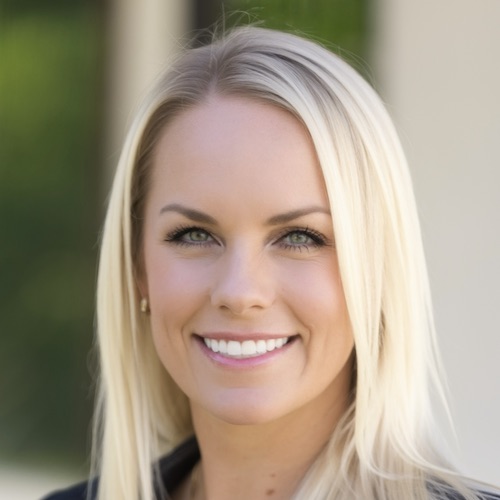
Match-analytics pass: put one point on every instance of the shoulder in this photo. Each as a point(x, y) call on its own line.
point(170, 470)
point(489, 494)
point(485, 491)
point(174, 467)
point(481, 493)
point(464, 488)
point(75, 492)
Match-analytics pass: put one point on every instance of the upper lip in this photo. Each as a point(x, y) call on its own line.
point(240, 336)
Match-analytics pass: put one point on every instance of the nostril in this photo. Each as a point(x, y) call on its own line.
point(238, 301)
point(242, 283)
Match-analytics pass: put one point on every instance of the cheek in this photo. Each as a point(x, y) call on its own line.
point(174, 285)
point(177, 292)
point(316, 291)
point(317, 298)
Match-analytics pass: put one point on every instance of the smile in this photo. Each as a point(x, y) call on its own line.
point(246, 348)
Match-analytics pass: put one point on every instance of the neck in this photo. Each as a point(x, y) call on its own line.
point(265, 460)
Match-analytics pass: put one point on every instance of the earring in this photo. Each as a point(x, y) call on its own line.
point(145, 305)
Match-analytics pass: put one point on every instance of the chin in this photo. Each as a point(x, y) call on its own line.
point(247, 417)
point(246, 408)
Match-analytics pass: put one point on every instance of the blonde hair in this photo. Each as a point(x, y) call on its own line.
point(384, 447)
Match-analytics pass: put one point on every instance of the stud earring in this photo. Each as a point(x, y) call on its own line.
point(145, 305)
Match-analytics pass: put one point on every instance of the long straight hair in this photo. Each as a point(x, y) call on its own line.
point(384, 447)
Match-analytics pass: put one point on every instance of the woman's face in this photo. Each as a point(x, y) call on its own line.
point(247, 309)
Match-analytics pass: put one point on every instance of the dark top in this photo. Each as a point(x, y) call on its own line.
point(173, 469)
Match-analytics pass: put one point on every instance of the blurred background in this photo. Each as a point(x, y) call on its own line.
point(71, 74)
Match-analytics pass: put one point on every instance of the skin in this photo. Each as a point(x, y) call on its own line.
point(239, 244)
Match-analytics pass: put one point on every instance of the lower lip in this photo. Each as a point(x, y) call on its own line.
point(243, 363)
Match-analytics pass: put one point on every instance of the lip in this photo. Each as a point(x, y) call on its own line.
point(243, 362)
point(241, 336)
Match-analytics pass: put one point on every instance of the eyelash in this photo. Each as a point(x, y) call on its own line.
point(177, 234)
point(316, 238)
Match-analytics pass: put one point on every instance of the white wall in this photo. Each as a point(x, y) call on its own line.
point(438, 67)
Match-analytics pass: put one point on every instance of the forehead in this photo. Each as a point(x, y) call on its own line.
point(228, 145)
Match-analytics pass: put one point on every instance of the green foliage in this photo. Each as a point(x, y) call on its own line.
point(49, 180)
point(48, 106)
point(339, 24)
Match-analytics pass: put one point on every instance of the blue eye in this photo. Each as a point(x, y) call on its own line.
point(190, 236)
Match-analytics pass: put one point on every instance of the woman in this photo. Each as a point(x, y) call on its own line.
point(262, 287)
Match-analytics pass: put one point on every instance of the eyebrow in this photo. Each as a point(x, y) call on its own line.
point(295, 214)
point(190, 213)
point(198, 216)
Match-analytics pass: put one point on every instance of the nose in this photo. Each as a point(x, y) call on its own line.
point(244, 283)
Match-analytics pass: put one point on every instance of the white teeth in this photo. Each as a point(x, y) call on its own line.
point(270, 345)
point(214, 345)
point(233, 347)
point(248, 348)
point(261, 346)
point(245, 349)
point(222, 346)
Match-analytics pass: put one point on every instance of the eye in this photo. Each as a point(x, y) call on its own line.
point(299, 238)
point(190, 236)
point(302, 238)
